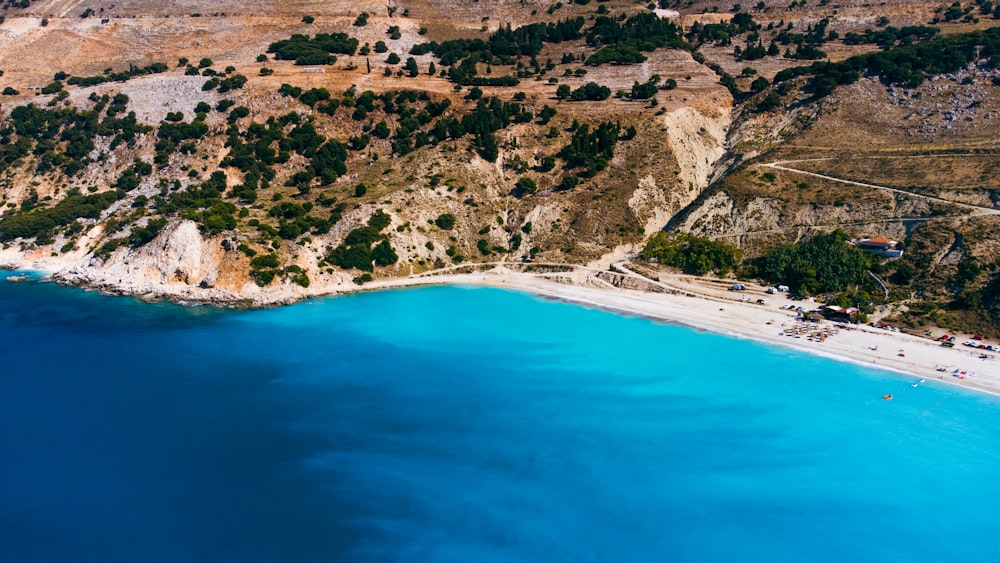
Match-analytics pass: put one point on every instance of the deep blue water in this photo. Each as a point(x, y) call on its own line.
point(455, 424)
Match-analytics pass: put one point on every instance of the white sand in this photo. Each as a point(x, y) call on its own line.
point(711, 311)
point(698, 302)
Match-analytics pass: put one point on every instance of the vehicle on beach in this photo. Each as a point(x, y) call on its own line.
point(981, 346)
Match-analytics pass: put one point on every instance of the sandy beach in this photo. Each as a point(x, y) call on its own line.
point(703, 303)
point(714, 311)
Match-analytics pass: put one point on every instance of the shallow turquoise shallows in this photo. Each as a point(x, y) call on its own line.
point(456, 424)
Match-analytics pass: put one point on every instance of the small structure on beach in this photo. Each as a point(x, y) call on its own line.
point(836, 313)
point(880, 245)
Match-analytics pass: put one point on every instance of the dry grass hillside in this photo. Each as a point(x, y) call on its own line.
point(714, 149)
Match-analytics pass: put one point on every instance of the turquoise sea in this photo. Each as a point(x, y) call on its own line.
point(459, 424)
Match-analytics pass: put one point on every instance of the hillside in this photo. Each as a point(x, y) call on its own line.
point(191, 150)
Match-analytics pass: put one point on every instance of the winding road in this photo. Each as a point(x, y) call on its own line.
point(780, 165)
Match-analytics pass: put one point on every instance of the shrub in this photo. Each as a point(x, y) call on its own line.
point(524, 186)
point(445, 221)
point(264, 261)
point(567, 183)
point(484, 247)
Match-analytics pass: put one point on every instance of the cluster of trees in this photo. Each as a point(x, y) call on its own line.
point(826, 263)
point(503, 45)
point(808, 42)
point(524, 186)
point(64, 137)
point(294, 219)
point(202, 204)
point(501, 48)
point(132, 176)
point(319, 99)
point(721, 33)
point(357, 250)
point(956, 12)
point(264, 268)
point(465, 73)
point(986, 7)
point(327, 158)
point(142, 235)
point(649, 88)
point(890, 36)
point(255, 150)
point(589, 91)
point(488, 117)
point(622, 43)
point(42, 221)
point(260, 146)
point(225, 84)
point(313, 51)
point(527, 40)
point(692, 254)
point(906, 65)
point(591, 149)
point(122, 76)
point(171, 134)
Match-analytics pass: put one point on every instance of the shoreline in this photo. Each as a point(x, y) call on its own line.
point(863, 346)
point(917, 362)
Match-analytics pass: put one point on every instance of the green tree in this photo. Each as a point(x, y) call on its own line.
point(383, 254)
point(445, 221)
point(411, 67)
point(524, 186)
